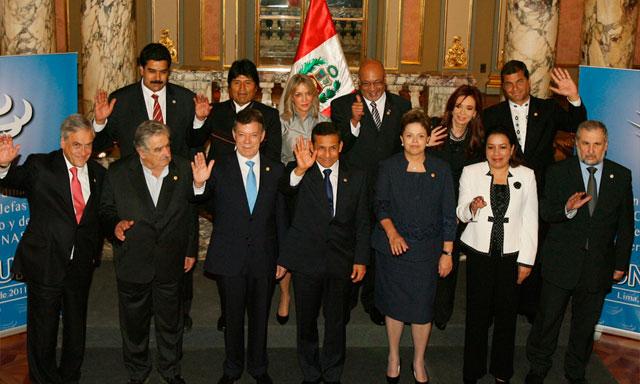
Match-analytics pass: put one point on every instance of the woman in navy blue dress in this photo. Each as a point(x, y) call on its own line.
point(415, 209)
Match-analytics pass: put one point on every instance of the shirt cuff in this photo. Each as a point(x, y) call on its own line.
point(570, 213)
point(294, 179)
point(198, 190)
point(99, 127)
point(197, 124)
point(355, 130)
point(575, 103)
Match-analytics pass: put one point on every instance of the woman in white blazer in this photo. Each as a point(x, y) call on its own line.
point(498, 200)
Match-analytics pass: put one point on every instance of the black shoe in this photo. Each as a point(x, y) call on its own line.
point(414, 376)
point(188, 323)
point(440, 325)
point(221, 324)
point(533, 378)
point(177, 379)
point(396, 379)
point(376, 317)
point(282, 320)
point(226, 379)
point(264, 379)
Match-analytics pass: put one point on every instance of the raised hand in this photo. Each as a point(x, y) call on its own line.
point(121, 228)
point(564, 84)
point(438, 136)
point(102, 108)
point(305, 155)
point(477, 203)
point(357, 110)
point(203, 107)
point(577, 200)
point(200, 169)
point(8, 151)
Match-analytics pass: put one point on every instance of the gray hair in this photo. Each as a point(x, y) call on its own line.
point(74, 123)
point(592, 125)
point(147, 129)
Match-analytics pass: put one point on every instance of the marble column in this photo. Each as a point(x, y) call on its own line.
point(108, 47)
point(608, 32)
point(28, 27)
point(531, 32)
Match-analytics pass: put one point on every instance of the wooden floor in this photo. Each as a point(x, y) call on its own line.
point(620, 355)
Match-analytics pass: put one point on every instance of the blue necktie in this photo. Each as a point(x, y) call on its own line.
point(328, 188)
point(252, 186)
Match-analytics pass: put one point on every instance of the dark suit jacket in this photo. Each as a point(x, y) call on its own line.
point(609, 230)
point(161, 236)
point(318, 244)
point(220, 124)
point(130, 111)
point(546, 117)
point(371, 146)
point(45, 248)
point(244, 243)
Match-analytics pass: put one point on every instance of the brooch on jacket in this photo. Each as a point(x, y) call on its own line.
point(517, 185)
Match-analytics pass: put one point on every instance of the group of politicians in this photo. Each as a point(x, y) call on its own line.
point(376, 202)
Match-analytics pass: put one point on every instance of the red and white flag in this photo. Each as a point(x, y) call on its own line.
point(320, 56)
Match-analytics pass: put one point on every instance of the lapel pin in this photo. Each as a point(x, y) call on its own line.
point(175, 178)
point(94, 180)
point(267, 169)
point(344, 180)
point(433, 175)
point(388, 112)
point(535, 114)
point(611, 176)
point(173, 101)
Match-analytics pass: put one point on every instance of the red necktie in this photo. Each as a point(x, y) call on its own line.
point(76, 194)
point(157, 112)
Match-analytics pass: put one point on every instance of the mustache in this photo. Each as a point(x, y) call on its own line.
point(157, 82)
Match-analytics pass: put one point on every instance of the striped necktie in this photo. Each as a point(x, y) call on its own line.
point(157, 112)
point(375, 114)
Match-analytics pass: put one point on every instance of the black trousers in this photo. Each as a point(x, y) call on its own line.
point(253, 296)
point(492, 296)
point(187, 292)
point(44, 304)
point(586, 306)
point(138, 303)
point(332, 295)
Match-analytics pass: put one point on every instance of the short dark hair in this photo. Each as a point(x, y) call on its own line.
point(325, 128)
point(146, 129)
point(592, 125)
point(516, 158)
point(155, 52)
point(243, 67)
point(415, 115)
point(514, 66)
point(247, 116)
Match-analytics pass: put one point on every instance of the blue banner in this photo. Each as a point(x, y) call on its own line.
point(613, 97)
point(37, 93)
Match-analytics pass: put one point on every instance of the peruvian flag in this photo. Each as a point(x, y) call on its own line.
point(320, 56)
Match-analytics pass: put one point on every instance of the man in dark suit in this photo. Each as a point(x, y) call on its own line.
point(243, 84)
point(326, 248)
point(369, 122)
point(589, 204)
point(146, 206)
point(249, 221)
point(60, 247)
point(154, 98)
point(534, 122)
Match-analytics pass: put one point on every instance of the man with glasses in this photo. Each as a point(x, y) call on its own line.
point(369, 122)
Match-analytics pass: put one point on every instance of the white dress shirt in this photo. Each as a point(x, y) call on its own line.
point(154, 184)
point(355, 129)
point(294, 180)
point(244, 169)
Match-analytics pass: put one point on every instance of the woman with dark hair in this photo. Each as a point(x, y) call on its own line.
point(414, 203)
point(498, 201)
point(301, 113)
point(462, 146)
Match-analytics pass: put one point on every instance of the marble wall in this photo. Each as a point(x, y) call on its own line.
point(531, 31)
point(28, 27)
point(609, 34)
point(108, 47)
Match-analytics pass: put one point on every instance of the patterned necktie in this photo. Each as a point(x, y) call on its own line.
point(76, 194)
point(157, 112)
point(328, 189)
point(252, 186)
point(376, 115)
point(592, 190)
